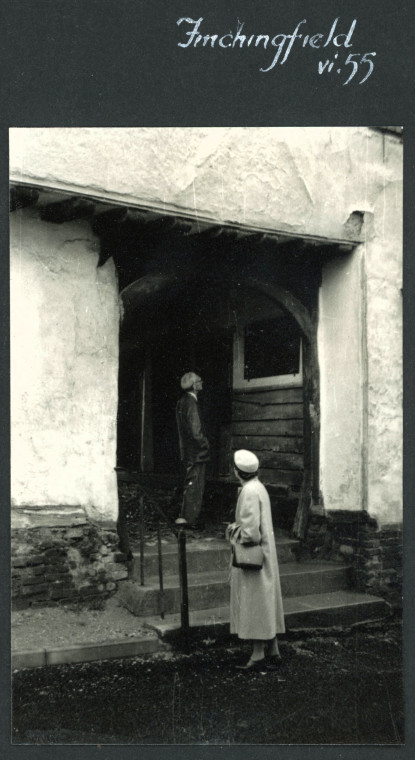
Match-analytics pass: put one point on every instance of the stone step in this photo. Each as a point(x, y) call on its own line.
point(211, 589)
point(334, 608)
point(202, 555)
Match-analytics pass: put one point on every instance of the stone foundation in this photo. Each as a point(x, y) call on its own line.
point(54, 565)
point(374, 553)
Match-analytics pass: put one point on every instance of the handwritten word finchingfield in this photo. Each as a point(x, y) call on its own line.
point(284, 44)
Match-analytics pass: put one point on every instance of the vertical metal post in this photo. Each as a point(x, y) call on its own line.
point(184, 607)
point(160, 563)
point(142, 540)
point(143, 417)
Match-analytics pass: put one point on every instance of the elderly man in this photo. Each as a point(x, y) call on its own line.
point(194, 449)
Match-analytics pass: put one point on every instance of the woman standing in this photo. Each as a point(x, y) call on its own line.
point(256, 610)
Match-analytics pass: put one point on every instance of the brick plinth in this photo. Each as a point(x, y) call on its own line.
point(52, 565)
point(374, 553)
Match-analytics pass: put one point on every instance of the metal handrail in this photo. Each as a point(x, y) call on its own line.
point(184, 606)
point(180, 534)
point(160, 566)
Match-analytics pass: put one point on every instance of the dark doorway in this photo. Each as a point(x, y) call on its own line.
point(149, 388)
point(131, 363)
point(209, 354)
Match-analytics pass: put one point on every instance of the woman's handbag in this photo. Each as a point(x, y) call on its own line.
point(247, 556)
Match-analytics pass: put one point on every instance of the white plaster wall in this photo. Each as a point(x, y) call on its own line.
point(339, 347)
point(64, 368)
point(371, 302)
point(384, 343)
point(294, 179)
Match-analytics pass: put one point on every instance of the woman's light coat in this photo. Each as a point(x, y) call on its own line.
point(256, 609)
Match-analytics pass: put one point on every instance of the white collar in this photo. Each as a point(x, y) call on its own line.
point(192, 393)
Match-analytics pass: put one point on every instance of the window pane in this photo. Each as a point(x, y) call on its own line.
point(272, 347)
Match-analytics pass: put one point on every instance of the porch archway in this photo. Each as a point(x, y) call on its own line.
point(149, 298)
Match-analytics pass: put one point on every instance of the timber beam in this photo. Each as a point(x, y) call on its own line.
point(147, 221)
point(22, 197)
point(68, 210)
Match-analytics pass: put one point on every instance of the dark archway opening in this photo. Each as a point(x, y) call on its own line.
point(209, 355)
point(196, 331)
point(189, 333)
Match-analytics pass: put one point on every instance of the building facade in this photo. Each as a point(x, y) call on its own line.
point(269, 260)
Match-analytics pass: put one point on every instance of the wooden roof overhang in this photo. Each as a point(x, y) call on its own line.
point(57, 207)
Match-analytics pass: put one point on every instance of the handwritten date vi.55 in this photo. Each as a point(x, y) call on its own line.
point(351, 60)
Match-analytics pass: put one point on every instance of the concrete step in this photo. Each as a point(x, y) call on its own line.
point(334, 608)
point(211, 589)
point(202, 555)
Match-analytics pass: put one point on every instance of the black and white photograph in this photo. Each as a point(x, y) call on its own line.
point(206, 382)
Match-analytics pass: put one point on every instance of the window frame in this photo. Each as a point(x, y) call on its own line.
point(240, 383)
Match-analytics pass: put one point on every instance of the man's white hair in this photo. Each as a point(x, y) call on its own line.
point(188, 379)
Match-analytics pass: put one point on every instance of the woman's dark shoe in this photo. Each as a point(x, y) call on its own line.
point(254, 666)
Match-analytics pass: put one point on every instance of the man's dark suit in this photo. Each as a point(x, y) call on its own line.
point(194, 453)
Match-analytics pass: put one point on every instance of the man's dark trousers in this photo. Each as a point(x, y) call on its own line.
point(194, 486)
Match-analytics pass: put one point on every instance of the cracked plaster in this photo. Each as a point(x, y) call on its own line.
point(64, 366)
point(269, 176)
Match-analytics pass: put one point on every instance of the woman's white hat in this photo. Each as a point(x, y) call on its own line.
point(246, 461)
